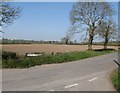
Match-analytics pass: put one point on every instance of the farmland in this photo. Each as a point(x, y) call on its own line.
point(22, 49)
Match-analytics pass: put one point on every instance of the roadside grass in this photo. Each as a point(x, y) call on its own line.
point(115, 78)
point(27, 62)
point(0, 64)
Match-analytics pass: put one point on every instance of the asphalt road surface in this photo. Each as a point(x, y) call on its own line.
point(90, 74)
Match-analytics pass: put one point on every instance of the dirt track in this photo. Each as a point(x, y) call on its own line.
point(47, 48)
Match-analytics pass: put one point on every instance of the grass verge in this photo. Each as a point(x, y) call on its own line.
point(115, 78)
point(49, 59)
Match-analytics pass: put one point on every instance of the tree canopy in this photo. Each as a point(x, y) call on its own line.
point(8, 13)
point(89, 15)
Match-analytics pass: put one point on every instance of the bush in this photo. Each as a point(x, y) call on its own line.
point(8, 55)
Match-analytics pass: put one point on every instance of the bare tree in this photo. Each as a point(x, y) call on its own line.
point(67, 38)
point(89, 15)
point(8, 13)
point(107, 30)
point(63, 40)
point(69, 34)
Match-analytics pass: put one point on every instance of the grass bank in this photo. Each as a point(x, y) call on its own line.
point(115, 78)
point(27, 62)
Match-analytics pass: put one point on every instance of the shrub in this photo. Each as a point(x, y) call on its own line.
point(8, 55)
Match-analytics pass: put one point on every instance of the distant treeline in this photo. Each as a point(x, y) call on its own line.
point(112, 43)
point(15, 41)
point(18, 41)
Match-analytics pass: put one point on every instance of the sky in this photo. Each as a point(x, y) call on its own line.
point(64, 0)
point(42, 21)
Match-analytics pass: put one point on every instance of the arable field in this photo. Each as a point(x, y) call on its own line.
point(22, 49)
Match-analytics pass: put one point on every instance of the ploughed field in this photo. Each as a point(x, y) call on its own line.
point(22, 49)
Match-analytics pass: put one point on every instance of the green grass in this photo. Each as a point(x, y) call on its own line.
point(50, 59)
point(115, 77)
point(0, 64)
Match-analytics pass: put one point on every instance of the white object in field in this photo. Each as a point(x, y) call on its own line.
point(33, 55)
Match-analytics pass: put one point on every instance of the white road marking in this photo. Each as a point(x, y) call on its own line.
point(93, 79)
point(71, 86)
point(52, 90)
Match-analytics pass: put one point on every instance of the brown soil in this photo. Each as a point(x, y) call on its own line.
point(22, 49)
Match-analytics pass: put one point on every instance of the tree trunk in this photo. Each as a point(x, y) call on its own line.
point(66, 41)
point(106, 38)
point(90, 42)
point(106, 43)
point(91, 35)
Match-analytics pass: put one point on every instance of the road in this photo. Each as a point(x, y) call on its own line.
point(84, 75)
